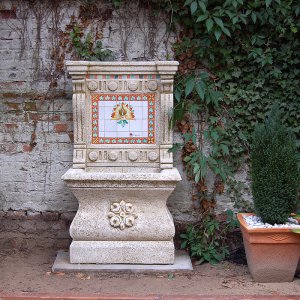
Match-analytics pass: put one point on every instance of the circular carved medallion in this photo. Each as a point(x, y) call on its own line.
point(122, 215)
point(132, 156)
point(93, 156)
point(152, 156)
point(92, 85)
point(152, 85)
point(113, 156)
point(112, 85)
point(133, 85)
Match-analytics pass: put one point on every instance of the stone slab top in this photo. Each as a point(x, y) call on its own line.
point(62, 264)
point(165, 175)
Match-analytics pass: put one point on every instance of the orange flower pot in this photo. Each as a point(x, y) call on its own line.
point(272, 253)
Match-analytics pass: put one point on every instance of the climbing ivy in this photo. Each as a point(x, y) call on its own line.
point(237, 58)
point(86, 48)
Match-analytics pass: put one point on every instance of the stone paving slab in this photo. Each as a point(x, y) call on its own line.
point(147, 297)
point(62, 264)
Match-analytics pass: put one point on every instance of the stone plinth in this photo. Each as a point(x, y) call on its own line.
point(122, 171)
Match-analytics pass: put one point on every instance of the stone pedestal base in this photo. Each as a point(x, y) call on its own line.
point(122, 217)
point(122, 252)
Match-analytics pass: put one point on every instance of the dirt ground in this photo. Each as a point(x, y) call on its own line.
point(24, 272)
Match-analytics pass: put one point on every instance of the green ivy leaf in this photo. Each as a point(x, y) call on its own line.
point(197, 176)
point(187, 2)
point(202, 6)
point(218, 34)
point(226, 31)
point(235, 20)
point(219, 22)
point(193, 7)
point(209, 24)
point(253, 17)
point(187, 159)
point(189, 86)
point(268, 2)
point(200, 89)
point(202, 18)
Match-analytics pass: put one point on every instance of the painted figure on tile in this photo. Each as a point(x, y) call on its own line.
point(123, 112)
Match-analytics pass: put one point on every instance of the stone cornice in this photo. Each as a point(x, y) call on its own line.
point(151, 67)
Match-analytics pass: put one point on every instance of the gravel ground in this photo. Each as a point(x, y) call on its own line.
point(30, 272)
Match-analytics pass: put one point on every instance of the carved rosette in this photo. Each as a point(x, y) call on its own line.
point(122, 215)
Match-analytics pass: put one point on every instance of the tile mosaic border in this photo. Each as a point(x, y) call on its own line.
point(95, 98)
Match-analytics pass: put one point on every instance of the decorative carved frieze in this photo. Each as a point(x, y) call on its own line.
point(125, 156)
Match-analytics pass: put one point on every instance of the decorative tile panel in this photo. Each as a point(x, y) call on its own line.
point(123, 118)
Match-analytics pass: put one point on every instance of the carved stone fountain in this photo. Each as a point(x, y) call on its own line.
point(122, 172)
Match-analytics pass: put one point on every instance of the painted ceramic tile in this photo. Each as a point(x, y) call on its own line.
point(123, 118)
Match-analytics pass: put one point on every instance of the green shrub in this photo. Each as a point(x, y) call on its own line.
point(274, 169)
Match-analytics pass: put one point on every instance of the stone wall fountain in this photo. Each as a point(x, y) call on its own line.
point(122, 172)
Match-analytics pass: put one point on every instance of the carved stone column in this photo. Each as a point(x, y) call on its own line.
point(79, 120)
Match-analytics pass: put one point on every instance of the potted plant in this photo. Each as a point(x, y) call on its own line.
point(272, 248)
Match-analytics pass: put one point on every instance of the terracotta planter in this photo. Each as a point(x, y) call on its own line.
point(272, 253)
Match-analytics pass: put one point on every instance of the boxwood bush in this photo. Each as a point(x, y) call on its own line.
point(274, 169)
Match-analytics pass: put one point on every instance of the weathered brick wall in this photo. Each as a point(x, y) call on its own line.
point(36, 150)
point(35, 92)
point(35, 100)
point(25, 230)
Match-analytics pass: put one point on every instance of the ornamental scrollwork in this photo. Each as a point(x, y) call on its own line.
point(122, 215)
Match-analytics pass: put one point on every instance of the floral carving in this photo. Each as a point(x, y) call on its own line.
point(122, 215)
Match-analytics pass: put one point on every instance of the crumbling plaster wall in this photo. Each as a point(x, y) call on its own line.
point(35, 93)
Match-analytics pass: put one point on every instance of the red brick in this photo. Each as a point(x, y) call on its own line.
point(11, 126)
point(8, 14)
point(33, 215)
point(11, 84)
point(31, 106)
point(43, 226)
point(43, 117)
point(28, 226)
point(13, 106)
point(59, 225)
point(50, 215)
point(16, 215)
point(27, 148)
point(9, 95)
point(54, 118)
point(67, 216)
point(8, 148)
point(61, 128)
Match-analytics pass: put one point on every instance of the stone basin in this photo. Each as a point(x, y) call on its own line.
point(148, 239)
